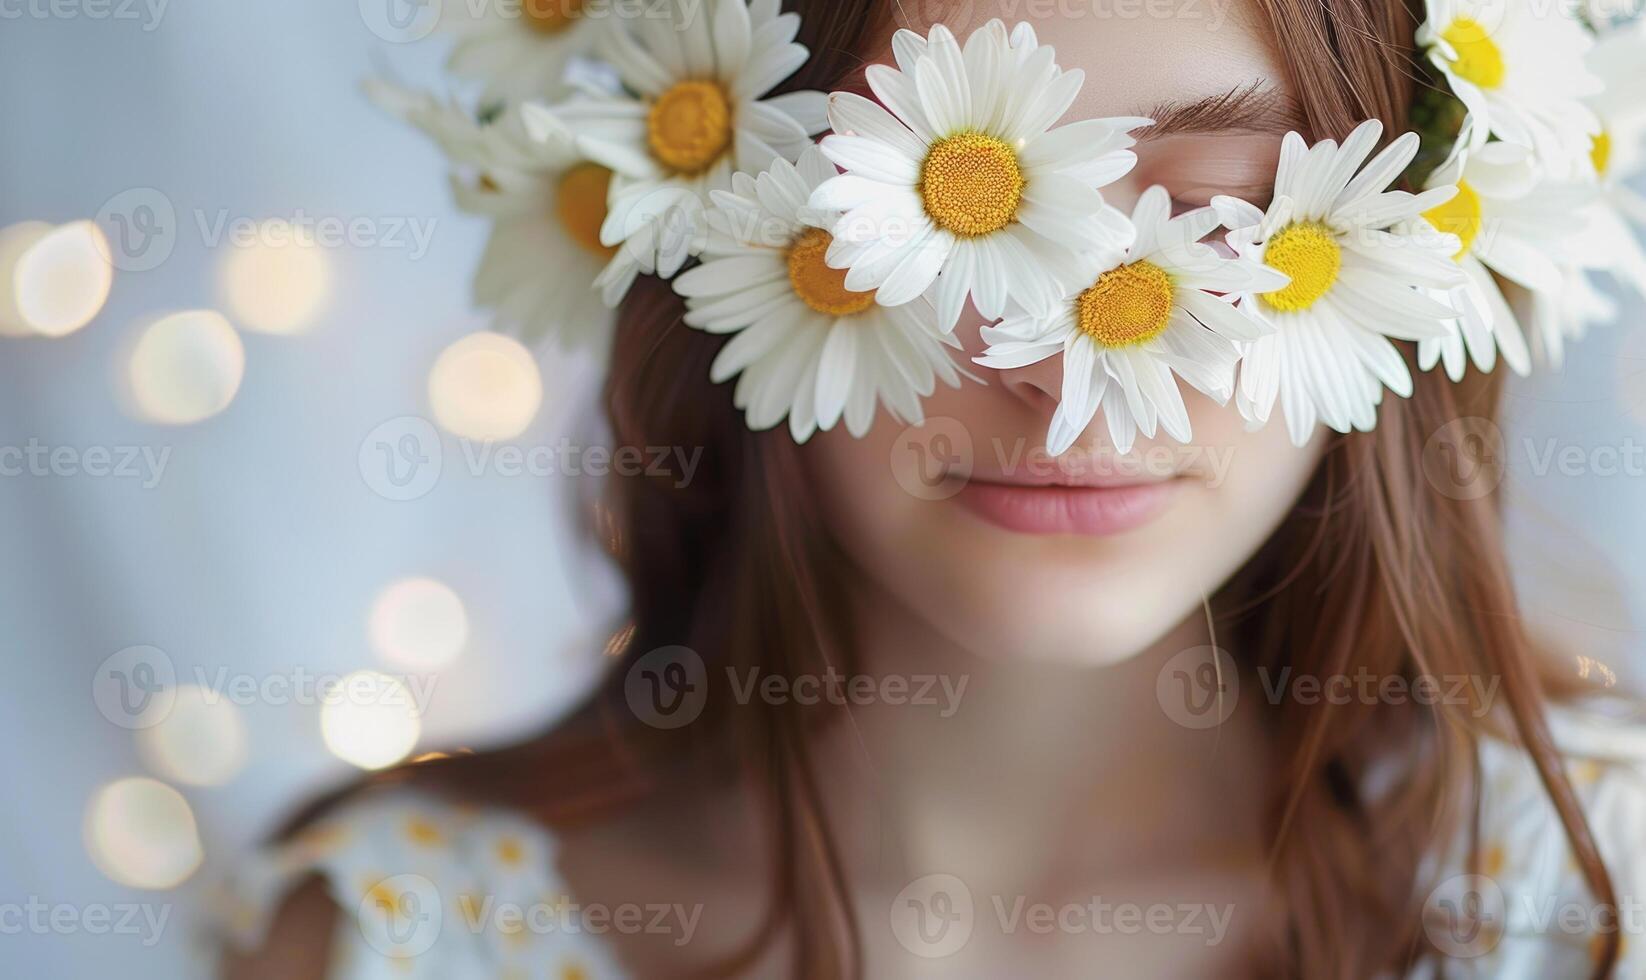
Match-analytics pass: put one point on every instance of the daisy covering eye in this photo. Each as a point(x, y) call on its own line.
point(956, 184)
point(1134, 320)
point(807, 346)
point(838, 272)
point(1356, 282)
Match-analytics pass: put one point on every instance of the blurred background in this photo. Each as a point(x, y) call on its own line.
point(248, 551)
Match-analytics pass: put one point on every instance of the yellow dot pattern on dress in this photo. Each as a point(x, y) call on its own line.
point(1309, 253)
point(422, 832)
point(511, 852)
point(1128, 305)
point(1494, 860)
point(383, 898)
point(573, 971)
point(1461, 216)
point(972, 184)
point(690, 126)
point(1479, 59)
point(551, 16)
point(580, 204)
point(1600, 151)
point(818, 286)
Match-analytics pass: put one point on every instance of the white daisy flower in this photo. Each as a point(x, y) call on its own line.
point(522, 50)
point(956, 183)
point(1618, 152)
point(544, 271)
point(1140, 316)
point(698, 112)
point(1519, 70)
point(1567, 313)
point(1354, 282)
point(1617, 155)
point(1508, 220)
point(806, 346)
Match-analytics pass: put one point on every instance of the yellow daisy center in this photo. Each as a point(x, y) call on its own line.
point(1479, 59)
point(1460, 216)
point(1308, 252)
point(972, 184)
point(690, 126)
point(1600, 151)
point(1128, 305)
point(580, 203)
point(818, 286)
point(551, 16)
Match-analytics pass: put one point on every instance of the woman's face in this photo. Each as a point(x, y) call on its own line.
point(1090, 557)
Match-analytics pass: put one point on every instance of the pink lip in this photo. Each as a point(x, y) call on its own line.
point(1052, 509)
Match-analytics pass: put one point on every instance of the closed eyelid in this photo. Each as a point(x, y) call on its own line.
point(1189, 198)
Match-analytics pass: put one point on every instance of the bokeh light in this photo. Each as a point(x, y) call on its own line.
point(277, 283)
point(371, 720)
point(141, 833)
point(186, 367)
point(200, 742)
point(14, 241)
point(419, 624)
point(53, 281)
point(485, 387)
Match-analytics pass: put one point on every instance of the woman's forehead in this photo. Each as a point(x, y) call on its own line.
point(1137, 54)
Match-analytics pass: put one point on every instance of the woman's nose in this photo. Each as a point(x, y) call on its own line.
point(1036, 386)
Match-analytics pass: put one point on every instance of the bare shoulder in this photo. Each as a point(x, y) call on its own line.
point(298, 943)
point(691, 866)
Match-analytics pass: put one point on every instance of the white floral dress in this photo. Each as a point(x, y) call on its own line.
point(427, 889)
point(434, 890)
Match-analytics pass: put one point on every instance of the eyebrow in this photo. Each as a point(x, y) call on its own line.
point(1253, 108)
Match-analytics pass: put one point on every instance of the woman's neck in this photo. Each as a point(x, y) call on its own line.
point(1019, 776)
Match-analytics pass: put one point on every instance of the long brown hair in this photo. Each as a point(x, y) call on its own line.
point(1373, 570)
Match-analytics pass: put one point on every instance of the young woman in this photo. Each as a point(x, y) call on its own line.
point(1050, 685)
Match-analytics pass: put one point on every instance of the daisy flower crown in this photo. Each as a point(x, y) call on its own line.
point(605, 149)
